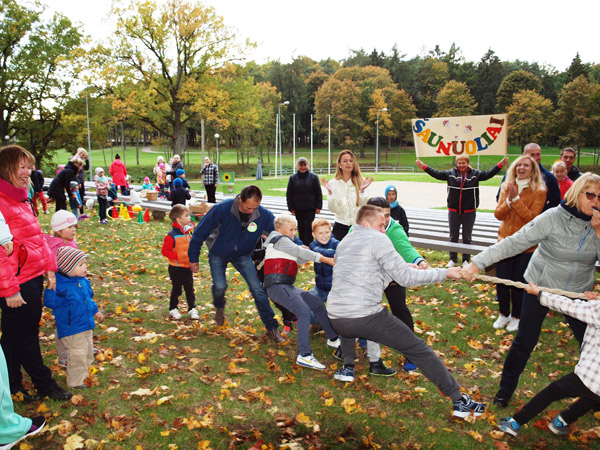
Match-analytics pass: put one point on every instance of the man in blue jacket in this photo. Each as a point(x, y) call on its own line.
point(231, 229)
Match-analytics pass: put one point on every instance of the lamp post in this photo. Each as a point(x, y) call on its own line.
point(87, 115)
point(280, 148)
point(377, 142)
point(217, 141)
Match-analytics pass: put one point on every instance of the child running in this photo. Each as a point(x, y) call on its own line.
point(175, 248)
point(584, 382)
point(74, 309)
point(281, 265)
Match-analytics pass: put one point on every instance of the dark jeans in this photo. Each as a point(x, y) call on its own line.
point(511, 269)
point(532, 317)
point(396, 296)
point(20, 338)
point(455, 221)
point(340, 231)
point(245, 267)
point(102, 205)
point(388, 330)
point(211, 190)
point(301, 303)
point(305, 220)
point(182, 277)
point(569, 386)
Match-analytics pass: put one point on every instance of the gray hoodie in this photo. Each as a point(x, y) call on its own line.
point(365, 264)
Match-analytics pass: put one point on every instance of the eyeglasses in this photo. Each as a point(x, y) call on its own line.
point(591, 196)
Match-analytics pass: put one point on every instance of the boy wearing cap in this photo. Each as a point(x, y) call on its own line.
point(74, 311)
point(180, 173)
point(178, 195)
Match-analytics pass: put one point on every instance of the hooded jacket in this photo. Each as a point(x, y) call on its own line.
point(61, 183)
point(176, 244)
point(31, 256)
point(324, 272)
point(72, 303)
point(118, 172)
point(304, 192)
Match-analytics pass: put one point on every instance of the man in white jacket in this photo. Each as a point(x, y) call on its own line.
point(355, 310)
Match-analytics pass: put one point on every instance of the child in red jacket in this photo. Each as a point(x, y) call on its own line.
point(175, 248)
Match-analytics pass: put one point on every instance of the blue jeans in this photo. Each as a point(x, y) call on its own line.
point(245, 267)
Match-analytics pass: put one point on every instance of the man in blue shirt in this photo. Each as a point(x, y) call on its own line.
point(231, 229)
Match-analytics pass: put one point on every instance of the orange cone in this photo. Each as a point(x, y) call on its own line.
point(147, 215)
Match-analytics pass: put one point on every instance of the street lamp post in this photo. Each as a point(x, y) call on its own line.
point(377, 142)
point(280, 147)
point(87, 115)
point(217, 141)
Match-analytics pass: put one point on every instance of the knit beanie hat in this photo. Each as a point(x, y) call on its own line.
point(98, 170)
point(68, 257)
point(147, 180)
point(62, 219)
point(179, 172)
point(177, 182)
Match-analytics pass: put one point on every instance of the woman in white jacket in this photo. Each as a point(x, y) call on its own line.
point(346, 193)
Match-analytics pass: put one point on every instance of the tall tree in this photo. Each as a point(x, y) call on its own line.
point(455, 100)
point(488, 76)
point(516, 81)
point(576, 69)
point(575, 118)
point(529, 116)
point(39, 62)
point(172, 53)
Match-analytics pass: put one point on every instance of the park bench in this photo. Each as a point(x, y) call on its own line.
point(428, 227)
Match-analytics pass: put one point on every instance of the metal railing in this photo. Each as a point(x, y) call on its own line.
point(323, 170)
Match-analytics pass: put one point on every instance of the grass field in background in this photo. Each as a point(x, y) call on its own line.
point(163, 384)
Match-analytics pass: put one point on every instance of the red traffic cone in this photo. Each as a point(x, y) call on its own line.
point(147, 215)
point(130, 211)
point(115, 213)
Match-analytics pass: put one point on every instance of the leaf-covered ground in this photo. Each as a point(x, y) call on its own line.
point(159, 383)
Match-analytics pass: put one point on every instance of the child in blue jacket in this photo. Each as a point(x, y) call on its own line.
point(325, 244)
point(74, 311)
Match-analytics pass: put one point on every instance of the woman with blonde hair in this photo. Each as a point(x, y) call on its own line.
point(346, 192)
point(568, 246)
point(522, 198)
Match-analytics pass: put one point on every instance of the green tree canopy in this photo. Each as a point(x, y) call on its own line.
point(455, 100)
point(529, 117)
point(516, 81)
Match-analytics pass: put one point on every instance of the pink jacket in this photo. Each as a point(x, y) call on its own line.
point(30, 246)
point(55, 242)
point(118, 171)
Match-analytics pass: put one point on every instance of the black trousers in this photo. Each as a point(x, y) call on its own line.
point(182, 278)
point(511, 269)
point(102, 206)
point(396, 296)
point(211, 189)
point(305, 220)
point(569, 386)
point(340, 230)
point(20, 338)
point(61, 202)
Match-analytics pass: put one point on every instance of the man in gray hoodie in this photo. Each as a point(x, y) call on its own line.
point(366, 263)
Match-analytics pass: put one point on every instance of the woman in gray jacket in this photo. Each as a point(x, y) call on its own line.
point(568, 240)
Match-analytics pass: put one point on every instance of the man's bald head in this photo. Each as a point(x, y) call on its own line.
point(534, 150)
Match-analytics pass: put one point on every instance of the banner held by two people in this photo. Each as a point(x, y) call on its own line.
point(453, 136)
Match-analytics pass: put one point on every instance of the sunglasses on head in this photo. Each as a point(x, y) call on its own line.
point(591, 196)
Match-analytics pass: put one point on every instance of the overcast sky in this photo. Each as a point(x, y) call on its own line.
point(548, 32)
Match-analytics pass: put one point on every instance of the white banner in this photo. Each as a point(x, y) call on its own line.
point(453, 136)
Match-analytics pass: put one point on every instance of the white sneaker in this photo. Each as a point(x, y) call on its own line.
point(513, 324)
point(501, 322)
point(175, 314)
point(193, 314)
point(309, 361)
point(335, 343)
point(450, 264)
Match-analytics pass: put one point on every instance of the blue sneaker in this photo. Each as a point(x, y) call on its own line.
point(559, 426)
point(465, 405)
point(345, 374)
point(409, 367)
point(509, 425)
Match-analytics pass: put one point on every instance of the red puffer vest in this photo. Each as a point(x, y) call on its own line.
point(31, 255)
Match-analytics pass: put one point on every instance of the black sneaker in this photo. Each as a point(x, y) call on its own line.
point(501, 399)
point(56, 393)
point(378, 368)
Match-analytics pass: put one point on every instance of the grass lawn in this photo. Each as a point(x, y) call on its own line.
point(163, 384)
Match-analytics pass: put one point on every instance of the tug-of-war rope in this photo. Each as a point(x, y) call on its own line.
point(520, 285)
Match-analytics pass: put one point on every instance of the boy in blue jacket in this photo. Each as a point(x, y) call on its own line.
point(325, 244)
point(74, 311)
